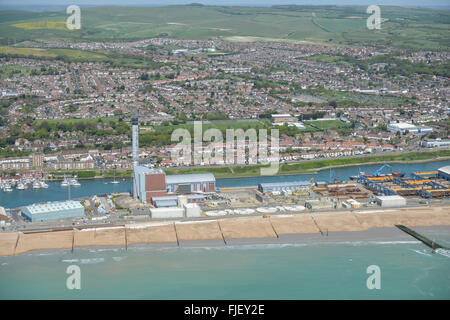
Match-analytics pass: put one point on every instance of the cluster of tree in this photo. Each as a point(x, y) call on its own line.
point(288, 130)
point(266, 114)
point(312, 116)
point(218, 115)
point(47, 130)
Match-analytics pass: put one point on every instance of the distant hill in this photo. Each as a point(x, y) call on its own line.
point(334, 25)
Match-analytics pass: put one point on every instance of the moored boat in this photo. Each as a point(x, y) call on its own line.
point(36, 185)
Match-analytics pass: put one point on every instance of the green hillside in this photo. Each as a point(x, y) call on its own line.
point(404, 27)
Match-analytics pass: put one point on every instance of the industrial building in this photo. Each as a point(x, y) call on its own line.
point(173, 201)
point(191, 183)
point(153, 183)
point(186, 210)
point(148, 183)
point(390, 201)
point(53, 211)
point(444, 173)
point(284, 186)
point(435, 143)
point(404, 127)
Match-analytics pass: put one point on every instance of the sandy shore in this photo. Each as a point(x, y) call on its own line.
point(377, 224)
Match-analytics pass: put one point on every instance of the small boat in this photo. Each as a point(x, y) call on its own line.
point(7, 187)
point(115, 182)
point(20, 186)
point(44, 185)
point(74, 182)
point(36, 185)
point(65, 182)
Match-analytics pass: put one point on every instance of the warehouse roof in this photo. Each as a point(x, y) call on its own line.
point(445, 170)
point(393, 197)
point(165, 203)
point(53, 206)
point(190, 178)
point(403, 125)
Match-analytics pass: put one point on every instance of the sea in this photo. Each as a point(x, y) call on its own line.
point(340, 270)
point(362, 269)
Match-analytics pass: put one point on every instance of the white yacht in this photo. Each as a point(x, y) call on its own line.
point(65, 182)
point(20, 186)
point(44, 185)
point(36, 185)
point(74, 182)
point(7, 187)
point(115, 181)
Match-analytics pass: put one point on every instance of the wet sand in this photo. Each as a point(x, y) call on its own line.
point(358, 225)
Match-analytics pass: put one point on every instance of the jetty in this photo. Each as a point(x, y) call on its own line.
point(433, 245)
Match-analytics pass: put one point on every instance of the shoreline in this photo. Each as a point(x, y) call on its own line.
point(294, 173)
point(375, 236)
point(302, 228)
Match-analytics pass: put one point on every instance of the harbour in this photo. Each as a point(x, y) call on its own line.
point(55, 192)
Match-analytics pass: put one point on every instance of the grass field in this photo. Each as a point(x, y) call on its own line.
point(37, 25)
point(333, 25)
point(326, 124)
point(53, 53)
point(14, 70)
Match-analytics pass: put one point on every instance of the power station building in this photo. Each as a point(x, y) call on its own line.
point(43, 212)
point(150, 183)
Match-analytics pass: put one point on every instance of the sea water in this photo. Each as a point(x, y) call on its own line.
point(337, 270)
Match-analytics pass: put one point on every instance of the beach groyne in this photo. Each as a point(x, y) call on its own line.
point(420, 237)
point(224, 230)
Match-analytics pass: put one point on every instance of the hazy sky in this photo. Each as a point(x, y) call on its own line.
point(56, 3)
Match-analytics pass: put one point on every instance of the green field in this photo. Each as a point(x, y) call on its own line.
point(326, 124)
point(404, 27)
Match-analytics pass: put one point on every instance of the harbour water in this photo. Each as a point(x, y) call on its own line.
point(55, 192)
point(408, 270)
